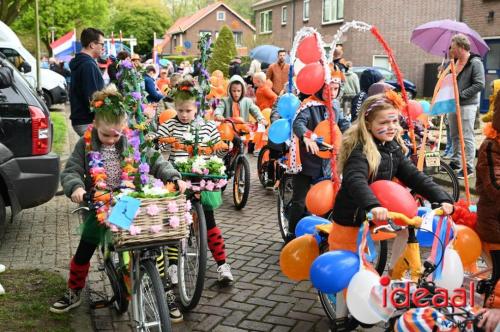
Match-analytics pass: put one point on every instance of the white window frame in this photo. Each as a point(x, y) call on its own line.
point(284, 15)
point(221, 18)
point(236, 42)
point(335, 13)
point(305, 5)
point(264, 17)
point(377, 64)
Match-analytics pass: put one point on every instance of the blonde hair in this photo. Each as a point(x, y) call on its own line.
point(260, 76)
point(108, 106)
point(359, 134)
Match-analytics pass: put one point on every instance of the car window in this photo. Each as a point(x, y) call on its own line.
point(15, 58)
point(388, 75)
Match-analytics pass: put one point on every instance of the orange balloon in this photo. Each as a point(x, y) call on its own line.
point(167, 115)
point(323, 130)
point(297, 257)
point(467, 244)
point(226, 131)
point(320, 198)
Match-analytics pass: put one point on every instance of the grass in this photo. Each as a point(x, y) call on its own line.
point(28, 296)
point(60, 130)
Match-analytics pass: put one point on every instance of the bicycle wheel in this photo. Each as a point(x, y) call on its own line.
point(262, 163)
point(329, 301)
point(446, 178)
point(151, 302)
point(284, 202)
point(193, 260)
point(241, 183)
point(120, 295)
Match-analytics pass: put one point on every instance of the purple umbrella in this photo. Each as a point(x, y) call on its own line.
point(435, 37)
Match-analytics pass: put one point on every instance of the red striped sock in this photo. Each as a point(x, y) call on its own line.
point(216, 245)
point(77, 275)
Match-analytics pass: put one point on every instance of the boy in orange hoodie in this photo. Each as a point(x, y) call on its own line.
point(264, 94)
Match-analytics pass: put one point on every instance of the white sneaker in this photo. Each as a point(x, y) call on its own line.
point(225, 274)
point(2, 290)
point(172, 272)
point(2, 268)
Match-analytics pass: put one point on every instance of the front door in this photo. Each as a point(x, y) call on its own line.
point(492, 71)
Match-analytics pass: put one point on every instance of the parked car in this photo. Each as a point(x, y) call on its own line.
point(390, 78)
point(29, 172)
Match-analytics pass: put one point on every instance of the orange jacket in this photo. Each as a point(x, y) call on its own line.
point(265, 97)
point(278, 75)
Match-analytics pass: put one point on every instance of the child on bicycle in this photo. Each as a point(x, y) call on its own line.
point(312, 111)
point(236, 105)
point(372, 149)
point(185, 104)
point(106, 137)
point(488, 188)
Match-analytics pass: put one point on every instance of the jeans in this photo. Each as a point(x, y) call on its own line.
point(468, 118)
point(80, 129)
point(449, 144)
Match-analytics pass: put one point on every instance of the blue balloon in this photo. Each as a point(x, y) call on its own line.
point(332, 271)
point(280, 131)
point(426, 106)
point(307, 225)
point(287, 105)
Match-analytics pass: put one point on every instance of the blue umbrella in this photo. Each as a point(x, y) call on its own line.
point(266, 53)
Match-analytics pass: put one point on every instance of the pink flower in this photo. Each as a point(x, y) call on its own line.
point(206, 171)
point(188, 184)
point(195, 188)
point(134, 230)
point(189, 218)
point(138, 212)
point(152, 210)
point(174, 222)
point(101, 185)
point(172, 207)
point(156, 228)
point(221, 183)
point(202, 184)
point(188, 206)
point(210, 186)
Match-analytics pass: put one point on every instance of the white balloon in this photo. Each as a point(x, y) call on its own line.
point(297, 66)
point(358, 295)
point(452, 275)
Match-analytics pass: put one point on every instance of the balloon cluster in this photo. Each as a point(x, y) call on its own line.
point(281, 130)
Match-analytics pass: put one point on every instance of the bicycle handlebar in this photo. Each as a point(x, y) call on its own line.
point(415, 221)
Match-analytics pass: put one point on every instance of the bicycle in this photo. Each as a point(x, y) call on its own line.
point(237, 165)
point(149, 309)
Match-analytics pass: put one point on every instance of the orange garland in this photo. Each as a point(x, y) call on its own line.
point(209, 150)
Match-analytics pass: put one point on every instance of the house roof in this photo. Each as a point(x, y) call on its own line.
point(186, 22)
point(265, 4)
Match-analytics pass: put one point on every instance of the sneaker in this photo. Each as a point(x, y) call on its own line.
point(70, 300)
point(461, 176)
point(172, 273)
point(2, 268)
point(454, 166)
point(175, 314)
point(225, 275)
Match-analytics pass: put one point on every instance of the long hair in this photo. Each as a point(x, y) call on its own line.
point(359, 134)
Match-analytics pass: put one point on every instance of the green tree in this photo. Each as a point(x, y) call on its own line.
point(224, 51)
point(10, 9)
point(64, 16)
point(141, 22)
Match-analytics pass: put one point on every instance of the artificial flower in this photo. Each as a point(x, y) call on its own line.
point(210, 186)
point(98, 103)
point(188, 217)
point(136, 95)
point(152, 210)
point(134, 230)
point(174, 222)
point(157, 183)
point(144, 168)
point(221, 183)
point(172, 207)
point(156, 228)
point(127, 64)
point(188, 206)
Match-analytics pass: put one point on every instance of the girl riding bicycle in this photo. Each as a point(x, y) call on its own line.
point(372, 149)
point(185, 95)
point(105, 138)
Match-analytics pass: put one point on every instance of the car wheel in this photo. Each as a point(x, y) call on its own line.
point(47, 98)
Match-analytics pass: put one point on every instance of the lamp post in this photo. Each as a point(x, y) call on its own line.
point(37, 33)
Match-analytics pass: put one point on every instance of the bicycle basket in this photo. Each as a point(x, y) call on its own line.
point(154, 223)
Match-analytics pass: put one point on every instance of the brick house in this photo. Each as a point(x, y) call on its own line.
point(185, 32)
point(277, 21)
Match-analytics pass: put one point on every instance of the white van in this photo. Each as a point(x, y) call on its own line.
point(53, 85)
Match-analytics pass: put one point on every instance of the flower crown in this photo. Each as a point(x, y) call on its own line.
point(111, 104)
point(389, 97)
point(188, 86)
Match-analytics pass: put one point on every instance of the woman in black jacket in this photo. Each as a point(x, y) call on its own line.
point(372, 149)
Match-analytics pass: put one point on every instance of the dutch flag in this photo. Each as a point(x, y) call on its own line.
point(64, 45)
point(444, 96)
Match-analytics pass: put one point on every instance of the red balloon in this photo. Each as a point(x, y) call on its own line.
point(311, 78)
point(395, 198)
point(308, 50)
point(415, 109)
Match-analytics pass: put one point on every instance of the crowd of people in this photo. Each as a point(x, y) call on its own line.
point(368, 113)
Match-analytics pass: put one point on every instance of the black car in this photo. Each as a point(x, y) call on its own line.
point(390, 78)
point(29, 172)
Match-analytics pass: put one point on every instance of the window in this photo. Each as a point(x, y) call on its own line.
point(203, 33)
point(237, 38)
point(305, 12)
point(333, 11)
point(284, 15)
point(381, 61)
point(266, 21)
point(15, 58)
point(221, 16)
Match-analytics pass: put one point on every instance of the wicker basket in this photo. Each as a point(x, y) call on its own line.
point(147, 237)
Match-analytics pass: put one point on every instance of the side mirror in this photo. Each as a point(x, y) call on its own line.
point(25, 67)
point(6, 77)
